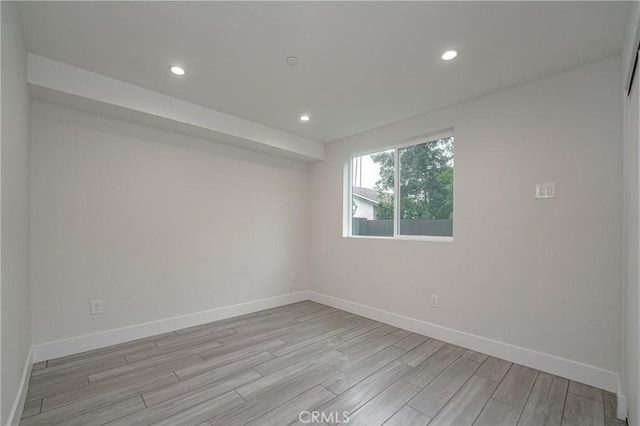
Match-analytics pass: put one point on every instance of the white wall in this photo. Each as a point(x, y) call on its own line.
point(631, 355)
point(630, 383)
point(16, 326)
point(154, 224)
point(545, 275)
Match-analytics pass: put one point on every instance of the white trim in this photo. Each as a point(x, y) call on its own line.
point(88, 342)
point(396, 192)
point(584, 373)
point(431, 238)
point(370, 237)
point(21, 395)
point(621, 407)
point(347, 204)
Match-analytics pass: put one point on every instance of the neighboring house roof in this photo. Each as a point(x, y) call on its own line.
point(368, 194)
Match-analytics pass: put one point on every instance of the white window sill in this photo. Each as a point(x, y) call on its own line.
point(404, 238)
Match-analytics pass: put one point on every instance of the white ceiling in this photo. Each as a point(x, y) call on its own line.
point(363, 64)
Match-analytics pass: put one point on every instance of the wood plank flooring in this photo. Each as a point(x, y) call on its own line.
point(268, 367)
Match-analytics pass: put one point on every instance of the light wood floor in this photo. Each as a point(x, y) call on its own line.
point(268, 367)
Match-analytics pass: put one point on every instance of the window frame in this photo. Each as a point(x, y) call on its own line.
point(348, 190)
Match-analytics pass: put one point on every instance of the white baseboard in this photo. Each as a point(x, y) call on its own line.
point(621, 408)
point(88, 342)
point(21, 395)
point(590, 375)
point(594, 376)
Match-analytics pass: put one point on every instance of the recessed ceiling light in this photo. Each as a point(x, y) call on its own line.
point(293, 61)
point(177, 70)
point(305, 117)
point(449, 55)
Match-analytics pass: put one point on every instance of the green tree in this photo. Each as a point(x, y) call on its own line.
point(426, 181)
point(385, 185)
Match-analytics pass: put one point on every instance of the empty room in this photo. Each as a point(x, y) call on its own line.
point(320, 213)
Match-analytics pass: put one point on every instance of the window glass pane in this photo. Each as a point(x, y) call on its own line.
point(426, 188)
point(372, 194)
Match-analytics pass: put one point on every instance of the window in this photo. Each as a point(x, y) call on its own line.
point(422, 176)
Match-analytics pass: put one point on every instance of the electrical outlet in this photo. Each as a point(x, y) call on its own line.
point(435, 301)
point(292, 277)
point(545, 190)
point(96, 307)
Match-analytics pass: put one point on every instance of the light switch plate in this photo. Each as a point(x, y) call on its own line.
point(545, 190)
